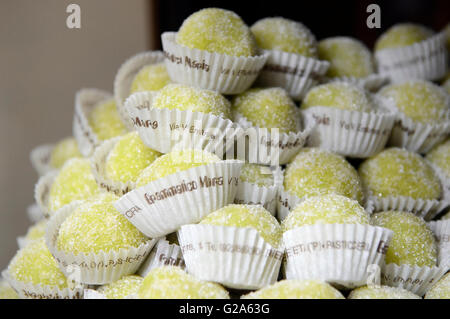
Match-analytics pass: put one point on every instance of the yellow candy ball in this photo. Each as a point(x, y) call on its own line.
point(381, 292)
point(35, 264)
point(105, 120)
point(128, 158)
point(36, 231)
point(121, 288)
point(217, 31)
point(257, 174)
point(413, 243)
point(314, 172)
point(243, 216)
point(284, 35)
point(440, 156)
point(188, 98)
point(73, 182)
point(340, 95)
point(419, 100)
point(63, 151)
point(441, 289)
point(296, 289)
point(326, 209)
point(96, 226)
point(174, 162)
point(402, 35)
point(268, 108)
point(151, 77)
point(347, 57)
point(398, 172)
point(174, 283)
point(6, 292)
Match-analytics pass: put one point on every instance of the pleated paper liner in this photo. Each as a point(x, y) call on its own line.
point(223, 73)
point(441, 229)
point(235, 257)
point(94, 268)
point(34, 213)
point(42, 192)
point(445, 180)
point(293, 72)
point(98, 162)
point(413, 278)
point(423, 60)
point(341, 254)
point(372, 82)
point(27, 290)
point(85, 101)
point(163, 254)
point(164, 205)
point(349, 133)
point(40, 158)
point(125, 76)
point(266, 196)
point(164, 129)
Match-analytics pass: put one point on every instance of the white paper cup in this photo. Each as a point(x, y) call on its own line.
point(85, 101)
point(293, 72)
point(445, 181)
point(34, 213)
point(235, 257)
point(94, 268)
point(285, 203)
point(372, 82)
point(213, 71)
point(423, 60)
point(42, 192)
point(336, 253)
point(441, 229)
point(125, 76)
point(164, 205)
point(40, 158)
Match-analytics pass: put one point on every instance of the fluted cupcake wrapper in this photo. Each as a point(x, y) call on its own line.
point(42, 192)
point(423, 60)
point(371, 82)
point(342, 254)
point(30, 291)
point(125, 76)
point(441, 229)
point(93, 268)
point(237, 258)
point(349, 133)
point(163, 254)
point(445, 181)
point(85, 101)
point(164, 205)
point(34, 213)
point(223, 73)
point(285, 203)
point(413, 278)
point(40, 158)
point(98, 163)
point(293, 72)
point(165, 130)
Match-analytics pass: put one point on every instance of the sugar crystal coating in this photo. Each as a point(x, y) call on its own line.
point(257, 174)
point(326, 209)
point(74, 181)
point(36, 231)
point(119, 289)
point(63, 151)
point(128, 158)
point(402, 35)
point(96, 225)
point(171, 282)
point(314, 171)
point(105, 120)
point(398, 172)
point(217, 31)
point(381, 292)
point(340, 95)
point(441, 289)
point(413, 243)
point(296, 289)
point(6, 292)
point(284, 35)
point(268, 108)
point(151, 77)
point(440, 156)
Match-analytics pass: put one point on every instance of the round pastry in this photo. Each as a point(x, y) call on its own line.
point(95, 226)
point(37, 231)
point(6, 292)
point(174, 162)
point(340, 95)
point(189, 98)
point(398, 172)
point(318, 172)
point(257, 174)
point(128, 158)
point(217, 30)
point(441, 289)
point(63, 151)
point(296, 289)
point(267, 108)
point(440, 156)
point(174, 283)
point(124, 287)
point(326, 209)
point(402, 35)
point(413, 243)
point(284, 35)
point(152, 77)
point(74, 181)
point(243, 216)
point(381, 292)
point(348, 57)
point(105, 121)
